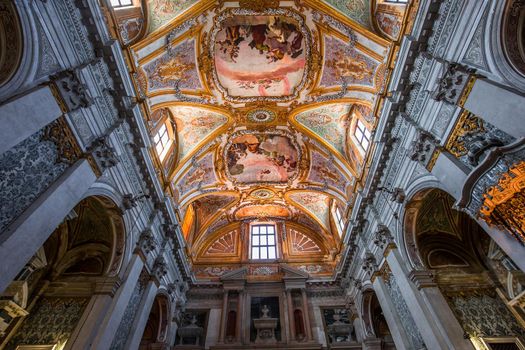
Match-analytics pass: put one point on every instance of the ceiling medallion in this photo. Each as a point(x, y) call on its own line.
point(262, 194)
point(261, 116)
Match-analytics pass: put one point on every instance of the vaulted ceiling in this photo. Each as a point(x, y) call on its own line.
point(260, 101)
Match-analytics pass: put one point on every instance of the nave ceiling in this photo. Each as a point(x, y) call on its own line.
point(259, 103)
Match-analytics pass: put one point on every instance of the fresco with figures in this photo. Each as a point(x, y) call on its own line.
point(262, 157)
point(263, 100)
point(260, 55)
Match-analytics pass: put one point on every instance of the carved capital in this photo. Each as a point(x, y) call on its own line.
point(383, 237)
point(423, 149)
point(103, 154)
point(160, 268)
point(370, 263)
point(146, 242)
point(452, 86)
point(72, 92)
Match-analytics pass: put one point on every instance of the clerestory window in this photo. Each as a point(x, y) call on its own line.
point(339, 219)
point(162, 141)
point(362, 134)
point(263, 242)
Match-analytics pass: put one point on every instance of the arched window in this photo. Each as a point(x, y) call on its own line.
point(263, 242)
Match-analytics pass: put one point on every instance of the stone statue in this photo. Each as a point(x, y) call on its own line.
point(265, 312)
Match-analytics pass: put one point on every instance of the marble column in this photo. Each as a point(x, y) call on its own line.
point(94, 314)
point(224, 316)
point(108, 328)
point(436, 333)
point(391, 316)
point(440, 310)
point(23, 116)
point(306, 315)
point(290, 308)
point(22, 238)
point(141, 318)
point(498, 105)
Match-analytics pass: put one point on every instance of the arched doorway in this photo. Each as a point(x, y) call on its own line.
point(375, 324)
point(155, 332)
point(470, 270)
point(58, 282)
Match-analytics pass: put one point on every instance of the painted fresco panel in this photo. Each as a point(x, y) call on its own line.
point(356, 10)
point(176, 66)
point(262, 157)
point(163, 11)
point(201, 174)
point(343, 61)
point(329, 122)
point(316, 203)
point(324, 171)
point(193, 125)
point(260, 55)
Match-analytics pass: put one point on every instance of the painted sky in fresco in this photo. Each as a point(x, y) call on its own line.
point(260, 56)
point(258, 157)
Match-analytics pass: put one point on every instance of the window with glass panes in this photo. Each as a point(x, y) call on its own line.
point(263, 242)
point(121, 3)
point(397, 1)
point(339, 218)
point(161, 139)
point(362, 134)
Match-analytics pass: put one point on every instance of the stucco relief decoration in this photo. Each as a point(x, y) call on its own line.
point(260, 55)
point(267, 157)
point(225, 244)
point(504, 204)
point(262, 211)
point(301, 243)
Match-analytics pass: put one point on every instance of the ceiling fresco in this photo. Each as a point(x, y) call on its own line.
point(261, 99)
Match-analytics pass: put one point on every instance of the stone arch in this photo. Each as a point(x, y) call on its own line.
point(436, 235)
point(19, 45)
point(375, 325)
point(498, 33)
point(83, 254)
point(157, 326)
